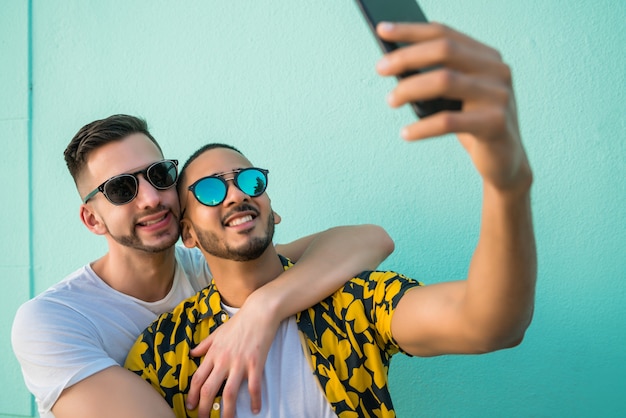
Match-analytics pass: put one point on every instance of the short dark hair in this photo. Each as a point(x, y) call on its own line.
point(199, 152)
point(98, 133)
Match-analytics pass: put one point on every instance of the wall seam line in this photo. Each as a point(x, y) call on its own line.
point(29, 134)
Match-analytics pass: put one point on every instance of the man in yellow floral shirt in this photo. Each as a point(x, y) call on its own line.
point(333, 358)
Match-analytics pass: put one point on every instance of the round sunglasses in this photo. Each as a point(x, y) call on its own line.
point(123, 188)
point(212, 190)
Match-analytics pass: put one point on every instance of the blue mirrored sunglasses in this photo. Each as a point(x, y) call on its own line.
point(212, 190)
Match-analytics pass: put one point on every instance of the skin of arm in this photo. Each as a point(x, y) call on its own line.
point(112, 392)
point(238, 348)
point(493, 307)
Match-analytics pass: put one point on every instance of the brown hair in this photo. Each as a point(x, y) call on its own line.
point(99, 133)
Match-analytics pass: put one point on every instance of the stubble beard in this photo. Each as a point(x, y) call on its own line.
point(134, 241)
point(210, 243)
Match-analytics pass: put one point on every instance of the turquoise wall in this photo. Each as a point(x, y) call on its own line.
point(292, 84)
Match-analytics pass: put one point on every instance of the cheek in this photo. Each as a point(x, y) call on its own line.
point(264, 202)
point(169, 198)
point(119, 220)
point(204, 217)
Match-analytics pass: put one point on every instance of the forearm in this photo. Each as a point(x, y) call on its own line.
point(113, 392)
point(332, 258)
point(499, 300)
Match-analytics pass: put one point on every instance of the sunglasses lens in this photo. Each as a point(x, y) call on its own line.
point(210, 191)
point(121, 189)
point(252, 182)
point(163, 175)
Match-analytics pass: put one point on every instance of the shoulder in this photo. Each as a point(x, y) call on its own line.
point(61, 296)
point(188, 257)
point(371, 280)
point(194, 266)
point(374, 290)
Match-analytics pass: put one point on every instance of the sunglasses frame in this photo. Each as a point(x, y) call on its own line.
point(221, 177)
point(102, 187)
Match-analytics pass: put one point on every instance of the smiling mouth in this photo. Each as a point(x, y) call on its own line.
point(241, 220)
point(155, 221)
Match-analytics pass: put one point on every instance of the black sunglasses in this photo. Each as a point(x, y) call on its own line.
point(123, 188)
point(212, 190)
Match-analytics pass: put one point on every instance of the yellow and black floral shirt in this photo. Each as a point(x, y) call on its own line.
point(348, 337)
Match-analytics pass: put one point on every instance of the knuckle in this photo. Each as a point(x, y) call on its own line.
point(205, 391)
point(447, 122)
point(445, 79)
point(445, 48)
point(195, 379)
point(504, 95)
point(254, 387)
point(498, 118)
point(229, 394)
point(439, 28)
point(507, 74)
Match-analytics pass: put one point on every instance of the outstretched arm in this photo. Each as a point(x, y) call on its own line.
point(493, 307)
point(238, 349)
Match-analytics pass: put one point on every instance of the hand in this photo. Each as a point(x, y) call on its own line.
point(235, 351)
point(487, 125)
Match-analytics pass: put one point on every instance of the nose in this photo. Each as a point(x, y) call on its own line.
point(147, 195)
point(234, 196)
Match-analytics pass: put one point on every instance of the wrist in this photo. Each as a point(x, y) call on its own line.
point(264, 304)
point(516, 186)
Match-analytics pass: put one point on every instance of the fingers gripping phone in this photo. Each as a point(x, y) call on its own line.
point(376, 11)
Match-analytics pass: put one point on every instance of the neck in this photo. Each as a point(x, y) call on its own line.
point(236, 280)
point(145, 276)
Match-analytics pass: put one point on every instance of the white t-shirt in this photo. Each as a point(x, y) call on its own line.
point(295, 391)
point(81, 326)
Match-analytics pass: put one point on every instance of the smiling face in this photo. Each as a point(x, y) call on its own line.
point(147, 223)
point(241, 227)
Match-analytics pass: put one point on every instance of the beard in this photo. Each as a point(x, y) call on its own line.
point(132, 240)
point(210, 243)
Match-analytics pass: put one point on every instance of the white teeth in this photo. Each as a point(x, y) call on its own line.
point(148, 223)
point(240, 221)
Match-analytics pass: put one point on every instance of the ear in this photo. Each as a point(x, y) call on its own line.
point(91, 220)
point(187, 234)
point(277, 218)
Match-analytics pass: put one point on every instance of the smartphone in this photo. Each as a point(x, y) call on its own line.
point(376, 11)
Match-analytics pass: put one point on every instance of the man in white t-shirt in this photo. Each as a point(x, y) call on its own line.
point(72, 339)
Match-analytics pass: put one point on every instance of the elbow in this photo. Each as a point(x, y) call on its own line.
point(379, 245)
point(503, 335)
point(489, 345)
point(381, 237)
point(488, 342)
point(509, 341)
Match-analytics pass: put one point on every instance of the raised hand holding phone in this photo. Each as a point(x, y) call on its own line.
point(487, 125)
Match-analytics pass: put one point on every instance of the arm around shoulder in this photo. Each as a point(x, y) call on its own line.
point(369, 244)
point(330, 259)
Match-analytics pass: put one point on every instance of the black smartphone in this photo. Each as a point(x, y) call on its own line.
point(376, 11)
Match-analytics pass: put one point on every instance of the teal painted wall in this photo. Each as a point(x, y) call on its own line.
point(293, 85)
